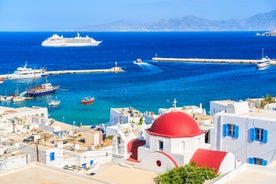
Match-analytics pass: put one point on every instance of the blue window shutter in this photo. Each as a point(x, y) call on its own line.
point(251, 160)
point(252, 134)
point(225, 130)
point(91, 162)
point(236, 131)
point(52, 156)
point(264, 162)
point(265, 133)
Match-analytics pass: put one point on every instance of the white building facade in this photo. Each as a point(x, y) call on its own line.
point(250, 136)
point(173, 140)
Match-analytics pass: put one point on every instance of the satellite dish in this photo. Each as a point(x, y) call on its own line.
point(257, 103)
point(251, 104)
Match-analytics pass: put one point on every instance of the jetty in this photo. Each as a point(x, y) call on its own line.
point(114, 69)
point(205, 60)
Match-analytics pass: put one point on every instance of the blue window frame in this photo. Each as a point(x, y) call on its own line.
point(258, 134)
point(231, 130)
point(257, 161)
point(52, 156)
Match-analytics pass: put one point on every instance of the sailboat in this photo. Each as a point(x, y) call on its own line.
point(16, 97)
point(44, 89)
point(264, 62)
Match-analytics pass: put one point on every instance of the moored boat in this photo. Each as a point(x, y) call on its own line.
point(27, 73)
point(87, 100)
point(54, 103)
point(1, 80)
point(78, 41)
point(18, 98)
point(5, 98)
point(264, 62)
point(45, 89)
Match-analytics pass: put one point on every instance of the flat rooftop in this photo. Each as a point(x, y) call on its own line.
point(41, 174)
point(249, 174)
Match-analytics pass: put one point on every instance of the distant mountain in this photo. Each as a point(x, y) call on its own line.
point(259, 22)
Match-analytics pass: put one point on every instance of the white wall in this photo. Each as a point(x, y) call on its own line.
point(242, 147)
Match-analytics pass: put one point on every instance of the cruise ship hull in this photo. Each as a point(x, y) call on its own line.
point(78, 41)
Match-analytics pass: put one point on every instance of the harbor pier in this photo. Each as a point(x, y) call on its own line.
point(114, 69)
point(205, 60)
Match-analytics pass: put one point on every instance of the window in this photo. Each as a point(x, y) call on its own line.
point(257, 161)
point(91, 162)
point(52, 156)
point(231, 130)
point(258, 134)
point(161, 145)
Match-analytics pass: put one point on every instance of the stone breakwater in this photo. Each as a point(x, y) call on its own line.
point(202, 60)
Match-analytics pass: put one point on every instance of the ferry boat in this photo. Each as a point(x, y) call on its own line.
point(59, 41)
point(27, 73)
point(44, 89)
point(87, 100)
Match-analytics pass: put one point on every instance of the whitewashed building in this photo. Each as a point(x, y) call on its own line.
point(173, 140)
point(250, 135)
point(52, 156)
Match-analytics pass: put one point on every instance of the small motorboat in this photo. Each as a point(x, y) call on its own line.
point(1, 80)
point(18, 98)
point(54, 103)
point(87, 100)
point(138, 62)
point(5, 98)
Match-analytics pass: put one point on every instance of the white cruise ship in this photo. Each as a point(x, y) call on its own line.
point(78, 41)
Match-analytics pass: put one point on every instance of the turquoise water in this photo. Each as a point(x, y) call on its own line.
point(147, 87)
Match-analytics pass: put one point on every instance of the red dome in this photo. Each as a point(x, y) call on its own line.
point(175, 125)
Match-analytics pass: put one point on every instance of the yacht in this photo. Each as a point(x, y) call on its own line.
point(27, 73)
point(59, 41)
point(264, 62)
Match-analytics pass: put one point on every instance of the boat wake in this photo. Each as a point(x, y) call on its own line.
point(149, 68)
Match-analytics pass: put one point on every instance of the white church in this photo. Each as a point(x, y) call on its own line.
point(173, 140)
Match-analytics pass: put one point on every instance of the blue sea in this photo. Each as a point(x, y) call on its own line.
point(147, 87)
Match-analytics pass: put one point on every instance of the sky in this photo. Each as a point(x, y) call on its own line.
point(50, 15)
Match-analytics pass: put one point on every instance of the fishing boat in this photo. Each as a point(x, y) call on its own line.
point(45, 89)
point(59, 41)
point(27, 73)
point(54, 103)
point(1, 80)
point(87, 100)
point(264, 62)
